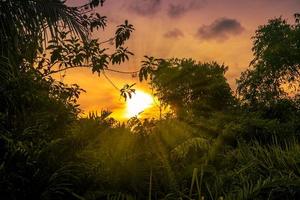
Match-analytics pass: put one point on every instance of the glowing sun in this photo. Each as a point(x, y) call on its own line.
point(138, 103)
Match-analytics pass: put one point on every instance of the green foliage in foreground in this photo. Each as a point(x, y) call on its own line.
point(99, 159)
point(215, 145)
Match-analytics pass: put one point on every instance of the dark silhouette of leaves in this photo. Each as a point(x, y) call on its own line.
point(149, 65)
point(127, 91)
point(123, 33)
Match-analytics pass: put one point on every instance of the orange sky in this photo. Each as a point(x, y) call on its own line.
point(205, 30)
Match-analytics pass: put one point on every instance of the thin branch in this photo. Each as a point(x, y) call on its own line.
point(87, 66)
point(52, 65)
point(109, 40)
point(65, 68)
point(122, 72)
point(110, 81)
point(103, 72)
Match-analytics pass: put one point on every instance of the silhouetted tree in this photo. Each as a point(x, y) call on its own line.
point(192, 89)
point(39, 38)
point(275, 67)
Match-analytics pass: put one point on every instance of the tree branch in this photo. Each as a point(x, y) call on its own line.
point(87, 66)
point(122, 72)
point(109, 40)
point(110, 81)
point(65, 68)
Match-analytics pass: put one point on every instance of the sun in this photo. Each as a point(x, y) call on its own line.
point(138, 103)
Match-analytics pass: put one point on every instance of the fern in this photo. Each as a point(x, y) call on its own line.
point(193, 144)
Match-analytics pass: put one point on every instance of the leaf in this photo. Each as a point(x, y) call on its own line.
point(123, 33)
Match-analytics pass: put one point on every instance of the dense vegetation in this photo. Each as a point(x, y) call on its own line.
point(215, 144)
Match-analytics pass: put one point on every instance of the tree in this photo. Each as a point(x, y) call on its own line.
point(26, 24)
point(27, 43)
point(190, 88)
point(36, 111)
point(275, 68)
point(69, 43)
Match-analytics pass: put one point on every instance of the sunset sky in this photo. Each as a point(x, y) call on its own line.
point(206, 30)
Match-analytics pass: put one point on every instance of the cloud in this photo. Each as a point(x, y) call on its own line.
point(145, 7)
point(176, 10)
point(179, 8)
point(220, 29)
point(175, 33)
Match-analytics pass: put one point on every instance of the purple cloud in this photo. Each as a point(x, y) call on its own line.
point(179, 8)
point(145, 7)
point(220, 29)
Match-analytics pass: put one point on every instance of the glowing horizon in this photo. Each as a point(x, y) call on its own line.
point(207, 31)
point(138, 103)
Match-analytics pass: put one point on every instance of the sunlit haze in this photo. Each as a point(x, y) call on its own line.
point(205, 30)
point(138, 103)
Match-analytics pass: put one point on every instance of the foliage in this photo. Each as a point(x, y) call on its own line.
point(148, 67)
point(259, 172)
point(127, 91)
point(38, 152)
point(190, 88)
point(275, 68)
point(217, 146)
point(34, 21)
point(69, 52)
